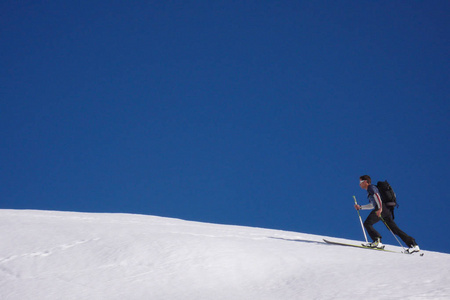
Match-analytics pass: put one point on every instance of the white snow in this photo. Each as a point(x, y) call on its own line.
point(66, 255)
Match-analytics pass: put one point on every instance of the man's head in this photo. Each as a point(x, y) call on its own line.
point(365, 181)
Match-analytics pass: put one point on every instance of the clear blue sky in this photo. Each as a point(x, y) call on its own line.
point(258, 113)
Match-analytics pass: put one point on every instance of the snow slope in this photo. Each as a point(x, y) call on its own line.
point(64, 255)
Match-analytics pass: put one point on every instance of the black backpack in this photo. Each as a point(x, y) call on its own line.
point(387, 195)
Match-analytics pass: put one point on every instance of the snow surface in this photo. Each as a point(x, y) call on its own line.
point(65, 255)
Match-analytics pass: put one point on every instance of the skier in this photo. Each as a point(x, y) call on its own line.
point(379, 210)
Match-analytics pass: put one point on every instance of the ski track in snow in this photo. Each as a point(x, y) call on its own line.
point(48, 252)
point(40, 254)
point(62, 255)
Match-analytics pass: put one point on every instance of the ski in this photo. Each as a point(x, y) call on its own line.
point(365, 247)
point(358, 246)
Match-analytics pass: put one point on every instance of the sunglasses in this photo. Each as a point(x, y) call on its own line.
point(361, 181)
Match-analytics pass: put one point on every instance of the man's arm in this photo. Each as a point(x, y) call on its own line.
point(377, 198)
point(367, 206)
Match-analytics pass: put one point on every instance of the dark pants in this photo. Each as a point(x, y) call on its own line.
point(372, 218)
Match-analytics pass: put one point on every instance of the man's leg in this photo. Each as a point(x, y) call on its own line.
point(372, 218)
point(409, 241)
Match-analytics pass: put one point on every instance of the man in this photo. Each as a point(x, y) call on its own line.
point(379, 210)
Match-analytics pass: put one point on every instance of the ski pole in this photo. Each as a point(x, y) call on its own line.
point(360, 220)
point(392, 233)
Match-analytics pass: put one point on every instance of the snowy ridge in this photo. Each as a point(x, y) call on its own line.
point(65, 255)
